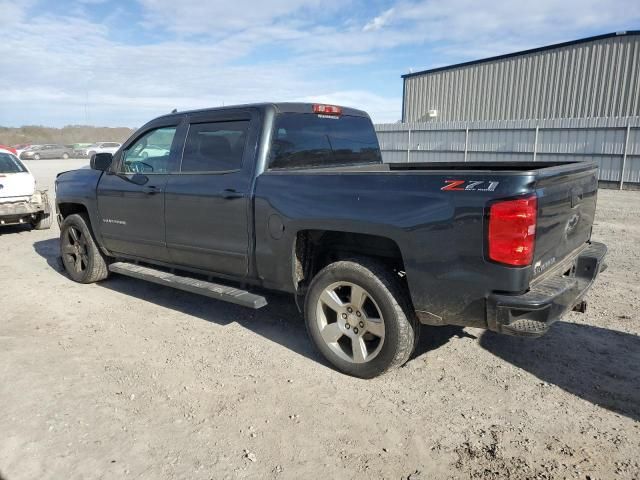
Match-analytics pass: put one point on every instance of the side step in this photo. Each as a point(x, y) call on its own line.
point(188, 284)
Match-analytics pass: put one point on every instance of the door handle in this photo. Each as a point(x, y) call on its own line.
point(151, 189)
point(231, 193)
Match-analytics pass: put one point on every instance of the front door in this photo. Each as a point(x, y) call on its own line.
point(131, 198)
point(208, 199)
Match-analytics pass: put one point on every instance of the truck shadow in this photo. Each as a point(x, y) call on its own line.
point(279, 321)
point(596, 364)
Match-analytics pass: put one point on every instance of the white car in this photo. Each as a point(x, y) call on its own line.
point(102, 147)
point(20, 202)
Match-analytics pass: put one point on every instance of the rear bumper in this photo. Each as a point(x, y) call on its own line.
point(531, 313)
point(18, 212)
point(12, 213)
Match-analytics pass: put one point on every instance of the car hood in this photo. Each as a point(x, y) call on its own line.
point(14, 186)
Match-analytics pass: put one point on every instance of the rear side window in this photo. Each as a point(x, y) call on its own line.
point(10, 164)
point(215, 147)
point(303, 140)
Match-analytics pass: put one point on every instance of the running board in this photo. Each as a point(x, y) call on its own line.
point(188, 284)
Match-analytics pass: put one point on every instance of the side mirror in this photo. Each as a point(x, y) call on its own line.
point(101, 161)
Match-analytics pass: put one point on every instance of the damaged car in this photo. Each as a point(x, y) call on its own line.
point(20, 202)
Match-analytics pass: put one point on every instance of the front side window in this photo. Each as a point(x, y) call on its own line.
point(215, 147)
point(303, 140)
point(150, 153)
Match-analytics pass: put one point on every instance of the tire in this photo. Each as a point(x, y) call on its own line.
point(36, 156)
point(65, 156)
point(46, 219)
point(81, 257)
point(332, 313)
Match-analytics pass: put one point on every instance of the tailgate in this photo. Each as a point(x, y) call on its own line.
point(16, 185)
point(566, 209)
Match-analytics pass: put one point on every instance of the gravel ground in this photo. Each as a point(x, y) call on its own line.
point(126, 379)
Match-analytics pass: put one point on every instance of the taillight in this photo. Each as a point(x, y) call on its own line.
point(327, 109)
point(512, 231)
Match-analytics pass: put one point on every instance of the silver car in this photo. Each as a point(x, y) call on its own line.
point(50, 150)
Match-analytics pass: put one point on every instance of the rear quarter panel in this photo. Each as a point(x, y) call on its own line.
point(440, 233)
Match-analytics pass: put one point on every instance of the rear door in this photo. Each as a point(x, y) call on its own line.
point(208, 201)
point(131, 199)
point(57, 151)
point(566, 210)
point(47, 151)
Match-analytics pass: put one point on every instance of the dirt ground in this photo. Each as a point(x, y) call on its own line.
point(126, 379)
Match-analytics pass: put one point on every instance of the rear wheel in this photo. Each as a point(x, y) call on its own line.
point(358, 315)
point(65, 156)
point(81, 256)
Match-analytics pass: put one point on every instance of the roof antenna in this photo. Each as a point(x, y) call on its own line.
point(175, 110)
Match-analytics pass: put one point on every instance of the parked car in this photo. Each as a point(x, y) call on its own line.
point(100, 147)
point(20, 202)
point(6, 148)
point(295, 198)
point(21, 147)
point(49, 150)
point(80, 149)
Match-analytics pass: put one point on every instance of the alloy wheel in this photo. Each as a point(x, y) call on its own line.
point(74, 250)
point(350, 322)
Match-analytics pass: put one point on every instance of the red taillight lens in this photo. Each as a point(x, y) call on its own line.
point(327, 109)
point(512, 231)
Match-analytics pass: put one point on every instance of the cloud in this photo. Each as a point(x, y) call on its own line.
point(378, 22)
point(216, 18)
point(152, 57)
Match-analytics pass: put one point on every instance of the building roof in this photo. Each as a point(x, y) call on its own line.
point(524, 52)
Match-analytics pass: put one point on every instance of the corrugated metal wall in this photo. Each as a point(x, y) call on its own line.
point(614, 143)
point(599, 78)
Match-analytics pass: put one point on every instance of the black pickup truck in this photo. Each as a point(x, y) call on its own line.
point(229, 202)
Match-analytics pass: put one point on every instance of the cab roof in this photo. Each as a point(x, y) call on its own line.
point(280, 107)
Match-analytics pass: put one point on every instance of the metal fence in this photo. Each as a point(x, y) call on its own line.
point(614, 143)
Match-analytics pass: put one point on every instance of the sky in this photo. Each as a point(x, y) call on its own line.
point(124, 62)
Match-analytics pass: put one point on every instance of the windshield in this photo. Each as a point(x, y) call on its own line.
point(303, 140)
point(10, 164)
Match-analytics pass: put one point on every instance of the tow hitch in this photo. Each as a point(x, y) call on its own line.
point(580, 307)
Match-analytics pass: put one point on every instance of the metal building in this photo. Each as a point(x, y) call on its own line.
point(592, 77)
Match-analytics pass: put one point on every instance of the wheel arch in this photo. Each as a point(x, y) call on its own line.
point(73, 207)
point(314, 249)
point(69, 208)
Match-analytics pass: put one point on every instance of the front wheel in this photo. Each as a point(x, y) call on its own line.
point(81, 256)
point(36, 156)
point(65, 156)
point(358, 316)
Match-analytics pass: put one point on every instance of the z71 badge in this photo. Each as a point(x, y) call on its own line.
point(470, 185)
